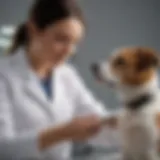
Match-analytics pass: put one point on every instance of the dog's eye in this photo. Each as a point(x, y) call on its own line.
point(119, 62)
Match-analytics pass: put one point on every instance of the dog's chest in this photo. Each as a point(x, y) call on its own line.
point(139, 129)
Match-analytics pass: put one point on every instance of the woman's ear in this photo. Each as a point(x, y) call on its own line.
point(147, 58)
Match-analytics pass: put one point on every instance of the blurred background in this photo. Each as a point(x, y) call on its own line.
point(110, 24)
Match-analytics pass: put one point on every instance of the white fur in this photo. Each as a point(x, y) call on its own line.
point(138, 129)
point(139, 132)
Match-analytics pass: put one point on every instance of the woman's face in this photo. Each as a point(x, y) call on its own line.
point(57, 42)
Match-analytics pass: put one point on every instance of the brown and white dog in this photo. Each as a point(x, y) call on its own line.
point(132, 72)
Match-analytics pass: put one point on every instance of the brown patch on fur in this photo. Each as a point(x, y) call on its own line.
point(135, 66)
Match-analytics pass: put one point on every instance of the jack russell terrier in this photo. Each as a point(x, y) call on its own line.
point(132, 72)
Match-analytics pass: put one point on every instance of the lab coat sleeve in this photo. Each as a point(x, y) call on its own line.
point(87, 104)
point(85, 101)
point(12, 144)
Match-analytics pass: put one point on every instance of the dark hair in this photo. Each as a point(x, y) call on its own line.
point(44, 13)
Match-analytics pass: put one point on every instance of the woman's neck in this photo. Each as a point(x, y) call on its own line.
point(41, 68)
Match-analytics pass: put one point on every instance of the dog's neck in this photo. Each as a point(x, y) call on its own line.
point(130, 93)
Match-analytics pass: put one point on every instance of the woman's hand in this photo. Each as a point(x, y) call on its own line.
point(111, 122)
point(82, 128)
point(78, 129)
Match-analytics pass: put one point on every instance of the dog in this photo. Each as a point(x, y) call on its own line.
point(132, 72)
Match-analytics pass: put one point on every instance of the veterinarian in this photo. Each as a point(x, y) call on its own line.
point(44, 104)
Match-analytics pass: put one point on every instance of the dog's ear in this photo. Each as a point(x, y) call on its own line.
point(146, 58)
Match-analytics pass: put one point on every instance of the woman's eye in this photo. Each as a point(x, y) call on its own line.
point(119, 62)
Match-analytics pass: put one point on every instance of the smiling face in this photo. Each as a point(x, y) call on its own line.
point(128, 66)
point(57, 42)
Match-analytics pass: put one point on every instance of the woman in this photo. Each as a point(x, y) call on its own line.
point(41, 96)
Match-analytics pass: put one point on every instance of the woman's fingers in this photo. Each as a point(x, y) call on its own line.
point(84, 127)
point(111, 122)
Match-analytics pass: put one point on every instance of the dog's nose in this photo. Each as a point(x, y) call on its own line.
point(95, 67)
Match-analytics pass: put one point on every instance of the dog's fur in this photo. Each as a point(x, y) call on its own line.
point(133, 73)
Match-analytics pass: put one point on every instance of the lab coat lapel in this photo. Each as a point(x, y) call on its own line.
point(59, 96)
point(33, 87)
point(57, 87)
point(35, 91)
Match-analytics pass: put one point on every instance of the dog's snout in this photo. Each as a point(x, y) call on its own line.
point(95, 67)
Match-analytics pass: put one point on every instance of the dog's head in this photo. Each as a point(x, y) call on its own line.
point(128, 66)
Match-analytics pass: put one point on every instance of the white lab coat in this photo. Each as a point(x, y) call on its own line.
point(25, 109)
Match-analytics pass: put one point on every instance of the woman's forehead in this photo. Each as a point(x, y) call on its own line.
point(70, 27)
